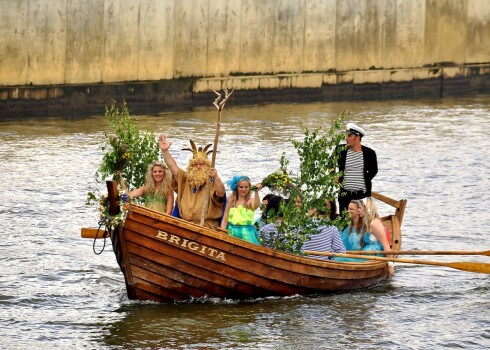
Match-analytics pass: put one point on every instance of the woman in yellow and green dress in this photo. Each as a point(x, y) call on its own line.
point(238, 218)
point(156, 191)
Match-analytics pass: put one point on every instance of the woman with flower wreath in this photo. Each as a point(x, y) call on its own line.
point(238, 218)
point(157, 193)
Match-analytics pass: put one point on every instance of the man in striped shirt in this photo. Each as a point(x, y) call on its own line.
point(359, 165)
point(327, 239)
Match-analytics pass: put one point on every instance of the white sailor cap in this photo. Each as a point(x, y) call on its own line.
point(355, 129)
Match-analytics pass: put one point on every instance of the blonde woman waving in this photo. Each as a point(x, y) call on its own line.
point(157, 193)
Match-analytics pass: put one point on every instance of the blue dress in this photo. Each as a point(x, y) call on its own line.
point(371, 242)
point(352, 241)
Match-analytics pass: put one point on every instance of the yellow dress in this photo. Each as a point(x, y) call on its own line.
point(240, 224)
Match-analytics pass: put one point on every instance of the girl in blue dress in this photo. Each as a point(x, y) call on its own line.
point(351, 235)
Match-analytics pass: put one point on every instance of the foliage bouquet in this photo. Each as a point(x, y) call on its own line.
point(277, 181)
point(127, 153)
point(317, 179)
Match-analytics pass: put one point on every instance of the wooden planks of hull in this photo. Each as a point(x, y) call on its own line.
point(166, 259)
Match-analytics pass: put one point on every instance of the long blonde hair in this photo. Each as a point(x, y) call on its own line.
point(371, 212)
point(150, 185)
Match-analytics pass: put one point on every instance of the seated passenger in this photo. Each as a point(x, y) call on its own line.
point(351, 235)
point(260, 221)
point(374, 235)
point(326, 240)
point(366, 231)
point(272, 216)
point(328, 237)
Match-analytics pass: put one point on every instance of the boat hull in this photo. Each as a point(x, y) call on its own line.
point(165, 259)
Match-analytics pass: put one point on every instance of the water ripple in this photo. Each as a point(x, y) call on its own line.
point(56, 293)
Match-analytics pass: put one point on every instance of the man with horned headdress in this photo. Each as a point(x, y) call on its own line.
point(190, 185)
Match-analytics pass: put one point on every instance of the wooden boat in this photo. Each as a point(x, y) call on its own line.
point(166, 259)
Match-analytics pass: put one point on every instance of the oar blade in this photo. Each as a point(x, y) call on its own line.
point(464, 266)
point(470, 266)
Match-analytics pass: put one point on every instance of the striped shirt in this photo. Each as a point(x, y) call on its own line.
point(327, 240)
point(354, 172)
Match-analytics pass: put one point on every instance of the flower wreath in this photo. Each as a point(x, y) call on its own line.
point(277, 181)
point(112, 221)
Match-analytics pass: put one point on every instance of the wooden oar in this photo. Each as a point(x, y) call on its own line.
point(421, 252)
point(219, 104)
point(464, 266)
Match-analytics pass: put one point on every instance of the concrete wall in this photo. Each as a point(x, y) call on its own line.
point(90, 41)
point(61, 49)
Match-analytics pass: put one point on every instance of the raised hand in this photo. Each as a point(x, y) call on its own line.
point(164, 144)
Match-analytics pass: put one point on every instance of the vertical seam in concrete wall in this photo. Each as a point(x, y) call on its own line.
point(28, 58)
point(66, 41)
point(104, 38)
point(271, 62)
point(334, 40)
point(139, 43)
point(174, 41)
point(381, 34)
point(206, 72)
point(303, 53)
point(240, 31)
point(466, 34)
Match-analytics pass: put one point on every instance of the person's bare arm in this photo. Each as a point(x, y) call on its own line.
point(137, 192)
point(254, 201)
point(224, 220)
point(118, 177)
point(167, 157)
point(219, 187)
point(378, 231)
point(170, 200)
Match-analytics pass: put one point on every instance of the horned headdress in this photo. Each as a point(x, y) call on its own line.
point(200, 152)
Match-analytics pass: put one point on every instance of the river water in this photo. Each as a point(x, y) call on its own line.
point(56, 293)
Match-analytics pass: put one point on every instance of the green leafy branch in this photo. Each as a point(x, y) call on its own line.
point(316, 182)
point(127, 150)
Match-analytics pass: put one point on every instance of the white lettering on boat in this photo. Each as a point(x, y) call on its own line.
point(191, 245)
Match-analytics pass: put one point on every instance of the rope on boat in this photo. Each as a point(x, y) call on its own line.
point(105, 235)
